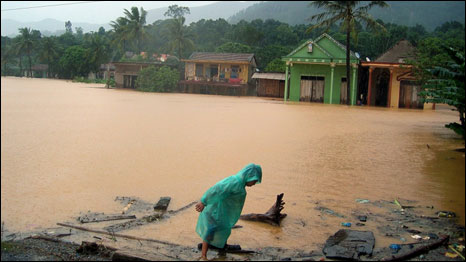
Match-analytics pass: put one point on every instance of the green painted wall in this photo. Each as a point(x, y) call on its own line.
point(298, 70)
point(317, 63)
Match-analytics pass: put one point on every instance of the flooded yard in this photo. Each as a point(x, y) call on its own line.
point(70, 147)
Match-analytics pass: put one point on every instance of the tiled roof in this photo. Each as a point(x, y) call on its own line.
point(398, 53)
point(242, 57)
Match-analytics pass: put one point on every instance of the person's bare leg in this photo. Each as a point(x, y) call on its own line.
point(205, 247)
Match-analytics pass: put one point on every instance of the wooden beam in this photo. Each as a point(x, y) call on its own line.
point(369, 91)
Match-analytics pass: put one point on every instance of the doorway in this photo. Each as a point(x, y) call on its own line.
point(312, 89)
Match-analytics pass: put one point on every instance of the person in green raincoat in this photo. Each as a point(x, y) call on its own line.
point(221, 205)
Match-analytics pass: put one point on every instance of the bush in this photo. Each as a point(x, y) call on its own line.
point(163, 79)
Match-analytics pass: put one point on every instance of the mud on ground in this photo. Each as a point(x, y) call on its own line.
point(401, 224)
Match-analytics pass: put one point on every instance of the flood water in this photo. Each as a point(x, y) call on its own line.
point(70, 147)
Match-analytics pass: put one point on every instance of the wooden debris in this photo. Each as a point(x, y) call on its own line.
point(163, 203)
point(183, 208)
point(115, 234)
point(125, 209)
point(134, 223)
point(272, 216)
point(52, 239)
point(86, 219)
point(417, 251)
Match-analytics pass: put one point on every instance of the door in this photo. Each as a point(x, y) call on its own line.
point(312, 89)
point(409, 95)
point(343, 92)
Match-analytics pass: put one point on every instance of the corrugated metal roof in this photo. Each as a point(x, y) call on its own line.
point(244, 57)
point(273, 76)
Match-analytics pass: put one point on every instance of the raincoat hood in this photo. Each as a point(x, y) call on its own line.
point(250, 173)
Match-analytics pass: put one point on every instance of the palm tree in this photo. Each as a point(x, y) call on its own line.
point(349, 13)
point(120, 34)
point(179, 36)
point(136, 22)
point(26, 43)
point(48, 51)
point(98, 51)
point(131, 27)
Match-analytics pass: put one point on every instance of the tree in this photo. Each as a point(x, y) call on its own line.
point(163, 79)
point(232, 47)
point(136, 21)
point(8, 54)
point(178, 34)
point(97, 51)
point(176, 11)
point(445, 84)
point(276, 65)
point(179, 37)
point(74, 62)
point(26, 44)
point(68, 28)
point(349, 12)
point(130, 27)
point(120, 33)
point(48, 52)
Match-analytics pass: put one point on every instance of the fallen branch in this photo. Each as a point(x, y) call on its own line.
point(116, 235)
point(52, 239)
point(181, 209)
point(419, 250)
point(272, 216)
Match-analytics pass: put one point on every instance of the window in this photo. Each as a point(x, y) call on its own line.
point(234, 71)
point(199, 70)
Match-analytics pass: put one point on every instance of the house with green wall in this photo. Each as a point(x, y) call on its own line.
point(317, 71)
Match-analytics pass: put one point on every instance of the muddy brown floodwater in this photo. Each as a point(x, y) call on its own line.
point(70, 147)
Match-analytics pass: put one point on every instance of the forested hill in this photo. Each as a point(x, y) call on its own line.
point(430, 14)
point(223, 9)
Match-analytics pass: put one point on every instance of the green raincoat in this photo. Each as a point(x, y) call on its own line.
point(223, 204)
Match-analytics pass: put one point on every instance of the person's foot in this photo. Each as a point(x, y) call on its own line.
point(203, 259)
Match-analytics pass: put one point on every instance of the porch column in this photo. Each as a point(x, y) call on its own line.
point(286, 82)
point(390, 88)
point(332, 69)
point(353, 91)
point(369, 89)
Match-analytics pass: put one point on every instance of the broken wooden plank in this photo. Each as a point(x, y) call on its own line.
point(134, 223)
point(163, 203)
point(419, 250)
point(105, 218)
point(272, 216)
point(116, 234)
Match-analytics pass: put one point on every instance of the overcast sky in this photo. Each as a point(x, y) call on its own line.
point(96, 12)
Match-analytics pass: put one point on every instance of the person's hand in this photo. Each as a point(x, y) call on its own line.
point(199, 207)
